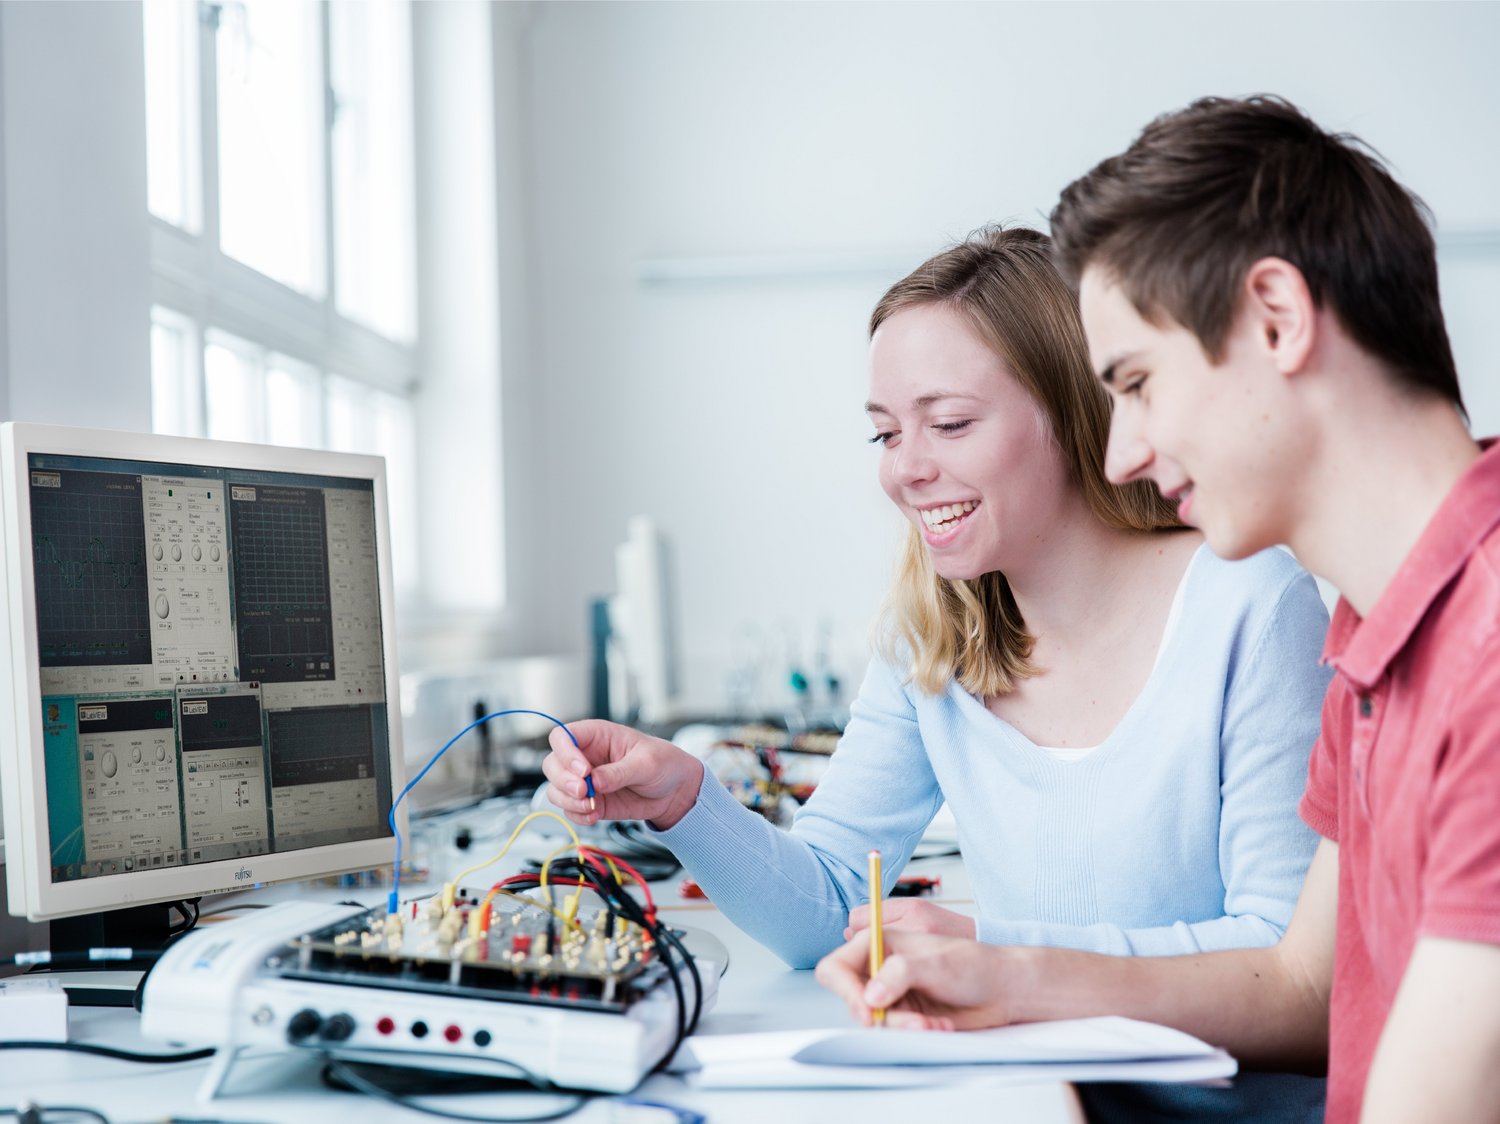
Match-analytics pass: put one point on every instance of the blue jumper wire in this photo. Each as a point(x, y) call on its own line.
point(392, 903)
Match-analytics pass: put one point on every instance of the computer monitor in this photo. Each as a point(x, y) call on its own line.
point(200, 668)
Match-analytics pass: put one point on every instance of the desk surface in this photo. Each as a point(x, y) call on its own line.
point(758, 993)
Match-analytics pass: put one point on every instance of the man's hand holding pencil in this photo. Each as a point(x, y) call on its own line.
point(928, 982)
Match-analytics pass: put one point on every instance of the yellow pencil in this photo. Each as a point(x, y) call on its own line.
point(877, 938)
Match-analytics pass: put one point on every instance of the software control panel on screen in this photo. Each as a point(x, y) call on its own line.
point(211, 662)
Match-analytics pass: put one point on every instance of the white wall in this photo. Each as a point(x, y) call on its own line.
point(458, 396)
point(664, 135)
point(77, 282)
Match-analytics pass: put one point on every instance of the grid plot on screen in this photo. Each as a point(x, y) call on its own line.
point(280, 555)
point(89, 551)
point(281, 587)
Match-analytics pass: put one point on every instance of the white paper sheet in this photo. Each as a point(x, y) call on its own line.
point(1099, 1049)
point(1210, 1070)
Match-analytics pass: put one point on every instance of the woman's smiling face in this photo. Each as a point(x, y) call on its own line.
point(967, 454)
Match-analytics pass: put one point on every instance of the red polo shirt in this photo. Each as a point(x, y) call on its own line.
point(1405, 776)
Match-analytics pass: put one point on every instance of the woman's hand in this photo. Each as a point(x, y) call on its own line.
point(636, 777)
point(928, 982)
point(915, 916)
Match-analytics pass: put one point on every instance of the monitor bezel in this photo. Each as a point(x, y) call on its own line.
point(32, 893)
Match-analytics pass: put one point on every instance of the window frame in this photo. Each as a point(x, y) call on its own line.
point(193, 277)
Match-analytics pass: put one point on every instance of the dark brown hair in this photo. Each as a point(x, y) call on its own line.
point(1005, 285)
point(1180, 216)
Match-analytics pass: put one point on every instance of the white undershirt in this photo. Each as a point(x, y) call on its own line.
point(1069, 754)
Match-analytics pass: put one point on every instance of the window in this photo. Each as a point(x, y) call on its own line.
point(270, 90)
point(372, 181)
point(176, 387)
point(174, 176)
point(280, 182)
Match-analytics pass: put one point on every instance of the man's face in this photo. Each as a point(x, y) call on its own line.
point(1207, 434)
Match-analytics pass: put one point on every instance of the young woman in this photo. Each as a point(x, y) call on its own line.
point(1119, 721)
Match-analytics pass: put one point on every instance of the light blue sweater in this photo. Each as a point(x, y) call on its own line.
point(1179, 833)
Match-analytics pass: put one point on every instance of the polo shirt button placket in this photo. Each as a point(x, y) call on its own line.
point(1365, 750)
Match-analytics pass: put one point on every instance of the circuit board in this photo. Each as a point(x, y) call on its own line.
point(597, 961)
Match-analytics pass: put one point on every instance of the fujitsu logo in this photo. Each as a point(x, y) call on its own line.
point(243, 874)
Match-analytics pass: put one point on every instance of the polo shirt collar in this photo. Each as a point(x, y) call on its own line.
point(1361, 650)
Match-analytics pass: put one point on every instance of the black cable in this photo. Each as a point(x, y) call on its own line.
point(568, 872)
point(552, 945)
point(609, 888)
point(110, 1052)
point(651, 857)
point(337, 1071)
point(692, 966)
point(138, 996)
point(634, 836)
point(190, 910)
point(682, 1030)
point(482, 756)
point(237, 906)
point(42, 1114)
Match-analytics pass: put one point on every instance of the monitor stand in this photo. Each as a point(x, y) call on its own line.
point(110, 983)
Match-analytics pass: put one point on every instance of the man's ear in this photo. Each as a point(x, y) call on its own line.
point(1279, 308)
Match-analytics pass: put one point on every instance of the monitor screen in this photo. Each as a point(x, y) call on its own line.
point(201, 671)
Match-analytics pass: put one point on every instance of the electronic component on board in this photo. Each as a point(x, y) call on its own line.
point(598, 962)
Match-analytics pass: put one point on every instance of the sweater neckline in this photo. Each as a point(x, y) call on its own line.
point(1168, 645)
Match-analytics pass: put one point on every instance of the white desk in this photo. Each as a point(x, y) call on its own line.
point(757, 993)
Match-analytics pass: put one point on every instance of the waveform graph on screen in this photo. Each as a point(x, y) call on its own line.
point(283, 609)
point(89, 554)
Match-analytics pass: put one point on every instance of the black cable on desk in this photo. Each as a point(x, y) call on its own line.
point(111, 1052)
point(32, 1113)
point(342, 1075)
point(222, 910)
point(653, 858)
point(26, 1113)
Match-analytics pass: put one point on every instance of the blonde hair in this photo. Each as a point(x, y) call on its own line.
point(1003, 282)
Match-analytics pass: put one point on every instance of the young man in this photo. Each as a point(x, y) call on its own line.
point(1261, 300)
